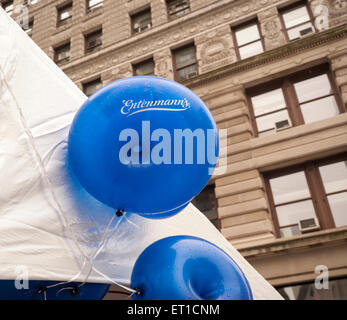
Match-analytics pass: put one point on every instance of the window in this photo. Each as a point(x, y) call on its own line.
point(29, 28)
point(309, 197)
point(298, 21)
point(177, 8)
point(248, 40)
point(93, 5)
point(93, 41)
point(334, 177)
point(269, 108)
point(64, 14)
point(207, 204)
point(90, 87)
point(29, 2)
point(304, 97)
point(62, 53)
point(8, 7)
point(185, 62)
point(145, 68)
point(308, 291)
point(141, 21)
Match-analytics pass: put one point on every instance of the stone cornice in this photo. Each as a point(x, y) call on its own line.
point(287, 50)
point(324, 237)
point(287, 135)
point(173, 33)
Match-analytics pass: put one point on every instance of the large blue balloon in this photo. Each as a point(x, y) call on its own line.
point(37, 290)
point(188, 268)
point(121, 158)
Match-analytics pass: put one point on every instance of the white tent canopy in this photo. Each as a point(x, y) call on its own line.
point(47, 225)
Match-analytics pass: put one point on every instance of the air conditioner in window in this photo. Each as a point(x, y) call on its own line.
point(142, 28)
point(191, 75)
point(309, 225)
point(282, 125)
point(305, 32)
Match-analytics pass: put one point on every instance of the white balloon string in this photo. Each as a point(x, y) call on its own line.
point(130, 222)
point(101, 246)
point(85, 261)
point(114, 282)
point(102, 241)
point(66, 288)
point(71, 280)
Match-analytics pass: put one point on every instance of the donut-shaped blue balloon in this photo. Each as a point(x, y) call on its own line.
point(145, 145)
point(188, 268)
point(42, 290)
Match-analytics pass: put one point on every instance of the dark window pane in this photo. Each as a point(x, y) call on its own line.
point(8, 7)
point(62, 53)
point(206, 202)
point(29, 28)
point(90, 87)
point(185, 62)
point(185, 57)
point(215, 222)
point(177, 8)
point(145, 68)
point(93, 41)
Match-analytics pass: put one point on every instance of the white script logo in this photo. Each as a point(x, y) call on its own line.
point(130, 107)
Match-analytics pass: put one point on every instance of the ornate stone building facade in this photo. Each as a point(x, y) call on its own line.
point(274, 74)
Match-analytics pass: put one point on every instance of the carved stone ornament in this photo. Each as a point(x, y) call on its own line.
point(192, 29)
point(337, 7)
point(163, 66)
point(213, 50)
point(271, 29)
